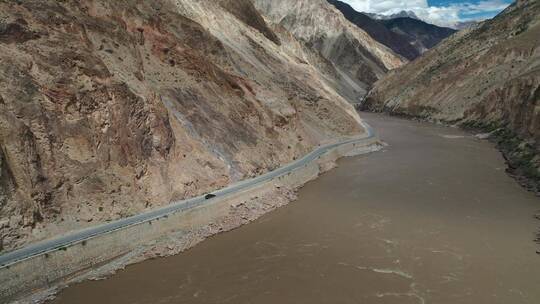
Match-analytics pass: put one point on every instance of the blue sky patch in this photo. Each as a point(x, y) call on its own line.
point(441, 12)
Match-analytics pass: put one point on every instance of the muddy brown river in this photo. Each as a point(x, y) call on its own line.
point(431, 219)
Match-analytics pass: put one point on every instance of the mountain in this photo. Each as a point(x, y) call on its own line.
point(377, 30)
point(423, 36)
point(406, 36)
point(359, 59)
point(487, 77)
point(110, 108)
point(465, 25)
point(402, 14)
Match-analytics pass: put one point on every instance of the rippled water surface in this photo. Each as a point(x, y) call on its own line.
point(432, 219)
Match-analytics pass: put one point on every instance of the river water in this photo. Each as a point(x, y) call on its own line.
point(431, 219)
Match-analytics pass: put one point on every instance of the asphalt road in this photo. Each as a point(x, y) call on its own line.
point(85, 234)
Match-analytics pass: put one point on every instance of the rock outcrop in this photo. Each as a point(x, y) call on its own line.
point(358, 58)
point(110, 108)
point(487, 77)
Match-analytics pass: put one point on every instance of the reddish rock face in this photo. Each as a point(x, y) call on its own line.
point(108, 108)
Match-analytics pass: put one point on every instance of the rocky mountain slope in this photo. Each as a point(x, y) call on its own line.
point(465, 25)
point(423, 36)
point(360, 60)
point(109, 108)
point(487, 77)
point(378, 31)
point(406, 36)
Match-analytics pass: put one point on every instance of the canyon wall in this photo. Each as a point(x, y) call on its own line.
point(111, 108)
point(358, 58)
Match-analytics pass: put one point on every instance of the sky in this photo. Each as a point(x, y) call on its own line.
point(440, 12)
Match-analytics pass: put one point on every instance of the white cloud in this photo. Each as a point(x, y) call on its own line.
point(374, 6)
point(441, 15)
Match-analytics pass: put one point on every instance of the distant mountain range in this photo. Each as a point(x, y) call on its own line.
point(404, 33)
point(410, 14)
point(423, 36)
point(402, 14)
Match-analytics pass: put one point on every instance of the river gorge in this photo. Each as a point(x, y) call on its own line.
point(433, 218)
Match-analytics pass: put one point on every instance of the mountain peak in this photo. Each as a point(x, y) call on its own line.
point(401, 14)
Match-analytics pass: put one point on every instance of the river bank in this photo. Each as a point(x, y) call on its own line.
point(433, 218)
point(166, 232)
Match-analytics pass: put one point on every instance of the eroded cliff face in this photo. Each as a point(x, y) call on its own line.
point(110, 108)
point(487, 77)
point(359, 59)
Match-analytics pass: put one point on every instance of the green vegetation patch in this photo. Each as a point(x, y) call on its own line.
point(523, 157)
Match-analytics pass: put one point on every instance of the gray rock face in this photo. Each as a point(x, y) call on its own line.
point(358, 58)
